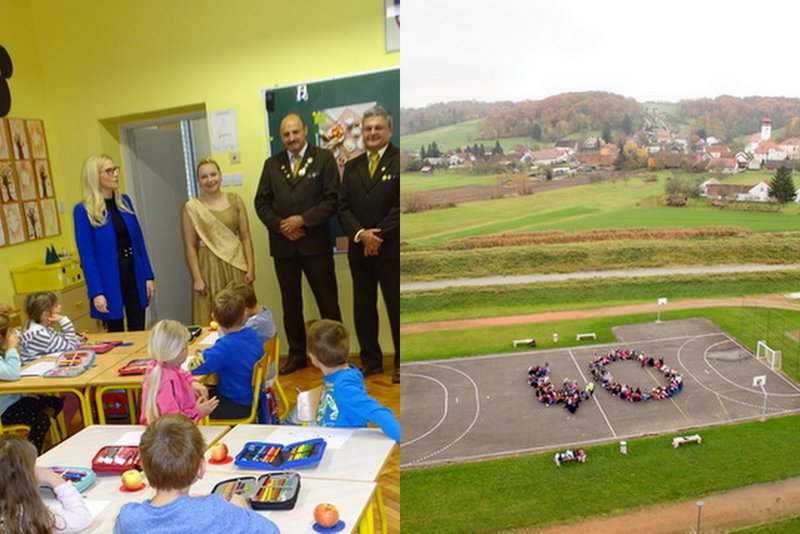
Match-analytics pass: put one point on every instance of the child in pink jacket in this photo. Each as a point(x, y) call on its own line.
point(166, 387)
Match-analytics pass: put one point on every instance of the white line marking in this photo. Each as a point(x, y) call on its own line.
point(444, 414)
point(734, 384)
point(602, 412)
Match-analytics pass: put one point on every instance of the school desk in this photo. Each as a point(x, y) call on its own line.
point(356, 454)
point(76, 384)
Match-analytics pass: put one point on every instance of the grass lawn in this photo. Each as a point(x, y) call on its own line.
point(621, 203)
point(496, 301)
point(530, 491)
point(442, 179)
point(776, 527)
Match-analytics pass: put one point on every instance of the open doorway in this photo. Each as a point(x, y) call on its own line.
point(159, 159)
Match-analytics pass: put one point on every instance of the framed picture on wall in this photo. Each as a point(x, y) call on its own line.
point(19, 139)
point(8, 182)
point(49, 217)
point(33, 220)
point(27, 181)
point(392, 18)
point(43, 181)
point(5, 146)
point(36, 137)
point(14, 224)
point(3, 240)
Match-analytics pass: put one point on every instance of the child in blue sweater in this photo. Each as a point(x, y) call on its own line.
point(344, 401)
point(232, 357)
point(172, 451)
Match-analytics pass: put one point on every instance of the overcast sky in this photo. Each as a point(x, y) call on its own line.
point(530, 49)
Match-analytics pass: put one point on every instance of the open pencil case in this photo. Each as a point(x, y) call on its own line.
point(258, 455)
point(71, 363)
point(81, 477)
point(272, 491)
point(116, 459)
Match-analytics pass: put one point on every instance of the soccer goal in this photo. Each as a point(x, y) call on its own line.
point(771, 357)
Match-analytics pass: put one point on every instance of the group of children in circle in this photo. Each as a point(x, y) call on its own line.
point(601, 375)
point(546, 393)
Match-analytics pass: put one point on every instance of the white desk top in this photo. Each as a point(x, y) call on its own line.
point(78, 450)
point(356, 454)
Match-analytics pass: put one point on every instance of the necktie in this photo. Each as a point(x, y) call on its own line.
point(296, 166)
point(374, 158)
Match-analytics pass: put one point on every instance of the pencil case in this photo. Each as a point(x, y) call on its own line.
point(137, 366)
point(71, 363)
point(100, 347)
point(81, 477)
point(194, 332)
point(258, 455)
point(272, 491)
point(116, 459)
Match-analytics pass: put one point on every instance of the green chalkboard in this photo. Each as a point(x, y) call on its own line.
point(381, 87)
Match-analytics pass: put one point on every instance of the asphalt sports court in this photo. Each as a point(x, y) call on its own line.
point(481, 407)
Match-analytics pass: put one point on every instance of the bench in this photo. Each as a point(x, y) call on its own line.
point(527, 341)
point(586, 335)
point(680, 440)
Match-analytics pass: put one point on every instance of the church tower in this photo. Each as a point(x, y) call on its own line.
point(766, 129)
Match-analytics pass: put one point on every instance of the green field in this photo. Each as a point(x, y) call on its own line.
point(621, 203)
point(457, 135)
point(443, 179)
point(776, 527)
point(496, 301)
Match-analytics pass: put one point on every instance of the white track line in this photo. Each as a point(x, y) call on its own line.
point(596, 400)
point(472, 423)
point(444, 414)
point(743, 388)
point(778, 373)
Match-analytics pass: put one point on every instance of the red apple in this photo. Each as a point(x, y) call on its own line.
point(219, 452)
point(132, 480)
point(326, 515)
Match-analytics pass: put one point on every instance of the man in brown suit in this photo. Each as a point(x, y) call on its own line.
point(369, 210)
point(296, 197)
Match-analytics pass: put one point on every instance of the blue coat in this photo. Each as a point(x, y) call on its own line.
point(97, 248)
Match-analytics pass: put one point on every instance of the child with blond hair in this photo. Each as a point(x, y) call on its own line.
point(167, 388)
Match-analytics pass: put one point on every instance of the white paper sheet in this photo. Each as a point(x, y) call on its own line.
point(95, 507)
point(37, 369)
point(130, 438)
point(210, 339)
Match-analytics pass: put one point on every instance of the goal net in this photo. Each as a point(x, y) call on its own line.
point(770, 356)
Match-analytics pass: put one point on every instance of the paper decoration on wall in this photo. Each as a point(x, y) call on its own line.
point(29, 209)
point(339, 130)
point(6, 70)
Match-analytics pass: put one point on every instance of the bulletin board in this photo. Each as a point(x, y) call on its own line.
point(27, 198)
point(332, 111)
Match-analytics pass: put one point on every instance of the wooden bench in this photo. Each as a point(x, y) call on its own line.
point(680, 440)
point(586, 335)
point(527, 341)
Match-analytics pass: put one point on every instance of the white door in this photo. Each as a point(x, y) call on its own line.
point(157, 182)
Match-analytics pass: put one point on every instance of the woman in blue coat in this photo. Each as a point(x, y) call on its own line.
point(111, 247)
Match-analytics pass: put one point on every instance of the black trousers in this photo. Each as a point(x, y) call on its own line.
point(321, 275)
point(227, 409)
point(368, 274)
point(134, 311)
point(31, 411)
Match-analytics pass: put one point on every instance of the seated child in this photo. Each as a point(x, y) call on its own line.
point(344, 401)
point(259, 318)
point(15, 409)
point(22, 508)
point(232, 357)
point(166, 388)
point(40, 337)
point(172, 451)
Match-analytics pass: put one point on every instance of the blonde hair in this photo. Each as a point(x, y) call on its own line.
point(21, 506)
point(93, 199)
point(168, 339)
point(206, 161)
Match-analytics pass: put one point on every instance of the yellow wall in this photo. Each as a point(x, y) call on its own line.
point(78, 63)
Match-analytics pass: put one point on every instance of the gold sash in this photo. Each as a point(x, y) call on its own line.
point(216, 236)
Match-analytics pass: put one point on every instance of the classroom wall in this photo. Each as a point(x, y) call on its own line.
point(85, 66)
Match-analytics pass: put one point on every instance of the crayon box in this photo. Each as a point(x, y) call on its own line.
point(272, 491)
point(81, 477)
point(116, 459)
point(258, 455)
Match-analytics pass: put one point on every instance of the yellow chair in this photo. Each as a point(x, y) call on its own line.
point(14, 429)
point(261, 372)
point(272, 348)
point(57, 429)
